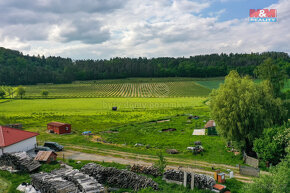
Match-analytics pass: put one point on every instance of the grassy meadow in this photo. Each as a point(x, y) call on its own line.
point(141, 103)
point(132, 123)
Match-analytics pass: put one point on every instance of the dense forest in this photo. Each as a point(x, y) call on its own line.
point(17, 68)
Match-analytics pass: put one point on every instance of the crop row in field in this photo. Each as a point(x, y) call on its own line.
point(140, 90)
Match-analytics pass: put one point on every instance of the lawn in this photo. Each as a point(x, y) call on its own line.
point(133, 123)
point(92, 106)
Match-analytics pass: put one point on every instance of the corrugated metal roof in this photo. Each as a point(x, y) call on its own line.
point(57, 124)
point(9, 136)
point(43, 155)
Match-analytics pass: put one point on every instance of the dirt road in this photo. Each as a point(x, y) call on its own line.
point(131, 159)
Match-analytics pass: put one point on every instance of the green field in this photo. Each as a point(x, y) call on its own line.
point(132, 121)
point(126, 88)
point(140, 101)
point(91, 106)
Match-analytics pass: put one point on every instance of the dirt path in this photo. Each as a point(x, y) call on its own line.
point(129, 160)
point(153, 158)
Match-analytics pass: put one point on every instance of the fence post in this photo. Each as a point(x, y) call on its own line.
point(192, 181)
point(184, 178)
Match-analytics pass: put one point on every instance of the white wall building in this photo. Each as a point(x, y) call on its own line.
point(15, 140)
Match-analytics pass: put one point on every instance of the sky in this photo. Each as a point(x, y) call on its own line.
point(102, 29)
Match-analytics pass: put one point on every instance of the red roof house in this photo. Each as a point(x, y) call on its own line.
point(59, 128)
point(15, 140)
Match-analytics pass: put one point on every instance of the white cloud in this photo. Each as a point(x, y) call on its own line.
point(133, 28)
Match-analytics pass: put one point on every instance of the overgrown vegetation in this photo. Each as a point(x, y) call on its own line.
point(271, 146)
point(276, 182)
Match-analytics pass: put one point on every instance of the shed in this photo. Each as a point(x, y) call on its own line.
point(211, 127)
point(46, 156)
point(59, 128)
point(15, 140)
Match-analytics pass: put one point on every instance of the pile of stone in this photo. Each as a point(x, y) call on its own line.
point(84, 182)
point(118, 178)
point(19, 161)
point(201, 181)
point(51, 183)
point(151, 170)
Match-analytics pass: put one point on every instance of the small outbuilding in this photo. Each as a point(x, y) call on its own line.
point(59, 128)
point(46, 156)
point(210, 126)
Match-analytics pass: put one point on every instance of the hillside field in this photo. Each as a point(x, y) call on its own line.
point(128, 88)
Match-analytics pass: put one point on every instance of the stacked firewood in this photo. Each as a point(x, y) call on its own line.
point(200, 180)
point(118, 178)
point(47, 182)
point(84, 182)
point(19, 161)
point(151, 170)
point(174, 175)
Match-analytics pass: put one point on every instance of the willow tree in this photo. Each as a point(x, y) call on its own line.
point(242, 109)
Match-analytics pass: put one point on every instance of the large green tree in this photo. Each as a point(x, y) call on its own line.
point(242, 109)
point(20, 91)
point(270, 71)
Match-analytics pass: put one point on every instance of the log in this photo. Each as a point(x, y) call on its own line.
point(19, 161)
point(118, 178)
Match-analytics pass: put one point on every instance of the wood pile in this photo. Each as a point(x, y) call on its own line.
point(19, 161)
point(201, 181)
point(118, 178)
point(84, 182)
point(151, 170)
point(51, 183)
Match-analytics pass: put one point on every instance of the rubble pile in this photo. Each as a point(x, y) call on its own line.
point(151, 170)
point(118, 178)
point(51, 183)
point(84, 182)
point(200, 180)
point(19, 161)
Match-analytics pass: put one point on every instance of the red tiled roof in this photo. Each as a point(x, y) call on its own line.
point(219, 187)
point(9, 136)
point(57, 124)
point(43, 155)
point(210, 123)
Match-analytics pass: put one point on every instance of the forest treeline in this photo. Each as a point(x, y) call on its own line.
point(17, 68)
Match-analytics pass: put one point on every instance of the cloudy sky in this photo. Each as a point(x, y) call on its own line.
point(99, 29)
